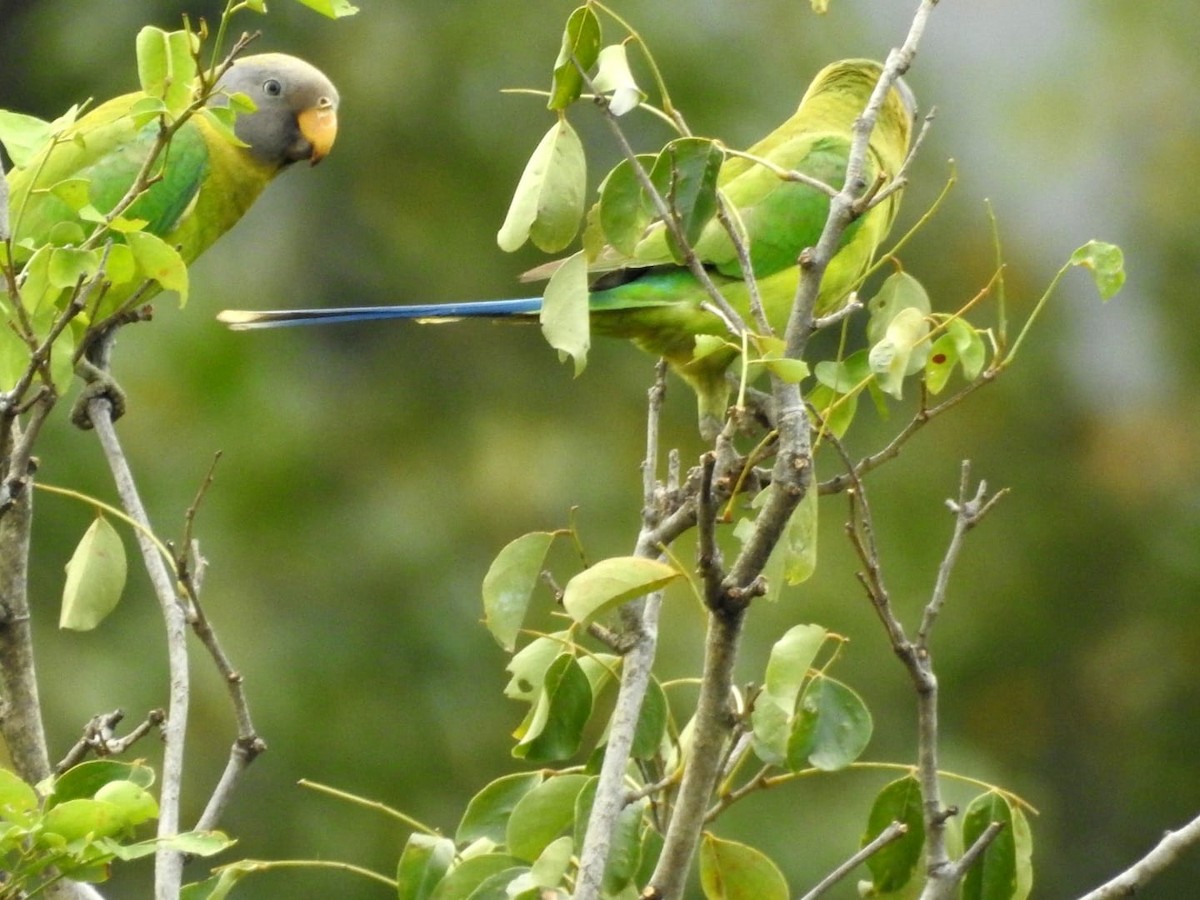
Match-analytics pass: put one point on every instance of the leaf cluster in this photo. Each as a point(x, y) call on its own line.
point(77, 823)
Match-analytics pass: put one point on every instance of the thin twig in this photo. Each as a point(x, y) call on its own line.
point(1164, 854)
point(893, 832)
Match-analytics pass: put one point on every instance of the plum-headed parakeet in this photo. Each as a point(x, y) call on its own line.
point(205, 182)
point(650, 299)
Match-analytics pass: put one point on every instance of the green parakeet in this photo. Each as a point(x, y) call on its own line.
point(650, 299)
point(205, 182)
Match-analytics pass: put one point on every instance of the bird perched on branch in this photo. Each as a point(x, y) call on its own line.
point(203, 183)
point(650, 298)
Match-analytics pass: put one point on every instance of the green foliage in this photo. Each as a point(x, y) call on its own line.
point(77, 824)
point(733, 871)
point(509, 583)
point(894, 865)
point(1005, 870)
point(580, 49)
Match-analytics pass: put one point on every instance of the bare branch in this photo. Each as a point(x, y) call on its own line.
point(169, 863)
point(1164, 854)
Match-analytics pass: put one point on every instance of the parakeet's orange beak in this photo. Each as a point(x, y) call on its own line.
point(318, 124)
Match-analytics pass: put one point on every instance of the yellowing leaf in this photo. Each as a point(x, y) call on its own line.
point(509, 583)
point(733, 871)
point(902, 351)
point(95, 578)
point(334, 9)
point(564, 314)
point(548, 203)
point(159, 261)
point(611, 582)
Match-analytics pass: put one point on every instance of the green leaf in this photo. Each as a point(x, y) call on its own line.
point(551, 865)
point(612, 582)
point(615, 79)
point(222, 119)
point(580, 44)
point(69, 266)
point(24, 136)
point(600, 668)
point(625, 847)
point(943, 357)
point(831, 729)
point(708, 344)
point(75, 192)
point(733, 871)
point(548, 202)
point(95, 578)
point(529, 666)
point(794, 558)
point(219, 886)
point(79, 819)
point(564, 315)
point(468, 875)
point(195, 843)
point(624, 208)
point(652, 722)
point(555, 726)
point(159, 261)
point(961, 345)
point(509, 583)
point(84, 780)
point(17, 800)
point(899, 292)
point(488, 812)
point(542, 815)
point(791, 371)
point(333, 9)
point(1005, 870)
point(787, 668)
point(685, 173)
point(893, 866)
point(134, 802)
point(902, 350)
point(423, 863)
point(1106, 262)
point(166, 67)
point(836, 410)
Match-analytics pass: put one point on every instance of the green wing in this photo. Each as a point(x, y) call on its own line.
point(107, 150)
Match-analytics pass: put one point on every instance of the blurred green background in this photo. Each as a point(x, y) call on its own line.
point(371, 473)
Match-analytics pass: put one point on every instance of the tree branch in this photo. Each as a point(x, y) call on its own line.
point(1164, 854)
point(169, 863)
point(893, 832)
point(639, 633)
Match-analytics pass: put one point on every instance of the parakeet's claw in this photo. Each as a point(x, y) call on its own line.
point(99, 385)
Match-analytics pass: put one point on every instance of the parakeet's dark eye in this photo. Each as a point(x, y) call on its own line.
point(272, 88)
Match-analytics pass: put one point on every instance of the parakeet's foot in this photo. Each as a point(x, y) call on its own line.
point(98, 384)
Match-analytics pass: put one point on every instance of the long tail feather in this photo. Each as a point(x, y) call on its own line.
point(243, 319)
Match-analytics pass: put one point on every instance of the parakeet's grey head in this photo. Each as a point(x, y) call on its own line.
point(296, 114)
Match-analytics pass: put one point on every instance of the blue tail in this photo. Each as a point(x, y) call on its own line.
point(240, 320)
